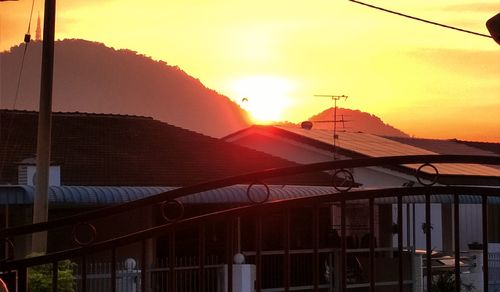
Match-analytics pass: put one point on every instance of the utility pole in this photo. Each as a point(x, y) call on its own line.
point(41, 202)
point(334, 98)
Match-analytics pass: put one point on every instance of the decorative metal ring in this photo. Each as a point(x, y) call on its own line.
point(254, 200)
point(419, 171)
point(82, 226)
point(178, 206)
point(347, 180)
point(10, 250)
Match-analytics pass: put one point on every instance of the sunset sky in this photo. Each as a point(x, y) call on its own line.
point(425, 80)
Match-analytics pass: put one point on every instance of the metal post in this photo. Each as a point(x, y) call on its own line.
point(144, 271)
point(113, 270)
point(335, 129)
point(40, 209)
point(372, 244)
point(414, 231)
point(484, 207)
point(408, 244)
point(172, 261)
point(400, 242)
point(286, 257)
point(456, 228)
point(258, 253)
point(84, 274)
point(334, 98)
point(315, 247)
point(22, 279)
point(428, 241)
point(201, 258)
point(230, 253)
point(343, 253)
point(55, 272)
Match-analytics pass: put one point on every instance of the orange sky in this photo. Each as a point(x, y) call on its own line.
point(425, 80)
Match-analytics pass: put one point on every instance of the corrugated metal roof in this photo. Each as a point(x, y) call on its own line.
point(238, 193)
point(97, 195)
point(376, 146)
point(90, 195)
point(15, 195)
point(84, 195)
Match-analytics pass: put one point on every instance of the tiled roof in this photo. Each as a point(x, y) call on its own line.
point(117, 150)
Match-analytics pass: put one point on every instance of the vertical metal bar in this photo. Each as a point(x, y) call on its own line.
point(84, 273)
point(400, 242)
point(113, 270)
point(372, 244)
point(428, 241)
point(7, 250)
point(315, 248)
point(343, 253)
point(286, 257)
point(22, 279)
point(414, 230)
point(201, 258)
point(55, 268)
point(456, 237)
point(258, 253)
point(230, 253)
point(171, 258)
point(144, 271)
point(408, 227)
point(485, 243)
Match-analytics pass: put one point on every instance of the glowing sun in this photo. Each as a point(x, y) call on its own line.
point(264, 97)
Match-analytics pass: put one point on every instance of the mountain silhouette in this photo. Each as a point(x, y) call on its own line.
point(90, 77)
point(355, 121)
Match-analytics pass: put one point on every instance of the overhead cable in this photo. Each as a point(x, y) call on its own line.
point(421, 19)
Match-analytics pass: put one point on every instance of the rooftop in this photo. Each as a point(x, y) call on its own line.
point(118, 150)
point(358, 144)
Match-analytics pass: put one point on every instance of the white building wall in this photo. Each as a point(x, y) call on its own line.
point(303, 154)
point(470, 224)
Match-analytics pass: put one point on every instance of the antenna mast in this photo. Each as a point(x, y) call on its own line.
point(335, 136)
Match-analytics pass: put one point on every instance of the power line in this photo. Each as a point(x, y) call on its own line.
point(421, 19)
point(27, 39)
point(31, 15)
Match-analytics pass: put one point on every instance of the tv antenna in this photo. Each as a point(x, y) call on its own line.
point(335, 98)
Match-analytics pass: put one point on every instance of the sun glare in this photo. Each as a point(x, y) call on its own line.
point(264, 97)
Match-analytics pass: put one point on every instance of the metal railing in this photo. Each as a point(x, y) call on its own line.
point(177, 218)
point(494, 269)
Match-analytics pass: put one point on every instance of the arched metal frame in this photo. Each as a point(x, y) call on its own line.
point(260, 208)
